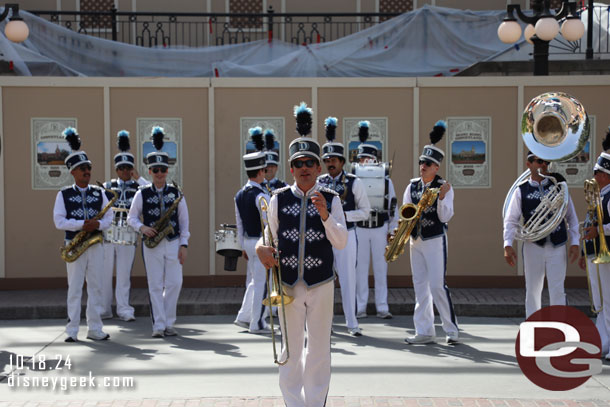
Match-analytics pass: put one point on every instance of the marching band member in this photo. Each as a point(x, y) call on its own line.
point(428, 244)
point(356, 208)
point(307, 222)
point(372, 235)
point(271, 182)
point(120, 254)
point(547, 255)
point(164, 261)
point(602, 176)
point(249, 230)
point(75, 208)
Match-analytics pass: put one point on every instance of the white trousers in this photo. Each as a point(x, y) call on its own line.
point(372, 241)
point(88, 267)
point(164, 276)
point(122, 256)
point(429, 266)
point(305, 379)
point(252, 308)
point(345, 265)
point(602, 322)
point(538, 261)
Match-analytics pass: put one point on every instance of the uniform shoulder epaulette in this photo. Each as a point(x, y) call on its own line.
point(322, 176)
point(280, 190)
point(328, 190)
point(349, 175)
point(66, 187)
point(523, 182)
point(141, 187)
point(415, 179)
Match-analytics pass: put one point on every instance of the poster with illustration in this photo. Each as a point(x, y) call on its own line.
point(469, 158)
point(577, 169)
point(49, 150)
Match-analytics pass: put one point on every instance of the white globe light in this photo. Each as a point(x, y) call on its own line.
point(547, 28)
point(16, 31)
point(572, 29)
point(529, 32)
point(509, 32)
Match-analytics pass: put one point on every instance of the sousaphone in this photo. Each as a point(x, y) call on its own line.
point(555, 128)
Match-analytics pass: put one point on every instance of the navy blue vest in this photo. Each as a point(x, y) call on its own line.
point(530, 199)
point(589, 243)
point(429, 225)
point(78, 209)
point(152, 207)
point(302, 240)
point(345, 189)
point(248, 210)
point(126, 192)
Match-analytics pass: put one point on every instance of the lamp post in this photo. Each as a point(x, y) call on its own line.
point(541, 29)
point(16, 30)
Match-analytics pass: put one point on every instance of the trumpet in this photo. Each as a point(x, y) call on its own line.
point(594, 214)
point(275, 292)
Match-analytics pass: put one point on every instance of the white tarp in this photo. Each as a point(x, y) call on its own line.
point(426, 42)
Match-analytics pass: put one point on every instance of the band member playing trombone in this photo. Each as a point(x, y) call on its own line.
point(428, 245)
point(247, 218)
point(307, 221)
point(547, 255)
point(164, 248)
point(75, 208)
point(602, 280)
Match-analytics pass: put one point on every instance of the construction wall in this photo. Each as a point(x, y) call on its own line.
point(211, 112)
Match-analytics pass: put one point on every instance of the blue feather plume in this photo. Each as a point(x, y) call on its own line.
point(303, 115)
point(157, 135)
point(363, 130)
point(331, 128)
point(269, 140)
point(438, 131)
point(123, 140)
point(72, 138)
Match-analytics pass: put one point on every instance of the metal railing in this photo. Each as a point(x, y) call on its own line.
point(206, 29)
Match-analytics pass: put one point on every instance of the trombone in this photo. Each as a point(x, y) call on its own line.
point(275, 292)
point(594, 214)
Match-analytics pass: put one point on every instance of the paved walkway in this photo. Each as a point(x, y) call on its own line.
point(490, 302)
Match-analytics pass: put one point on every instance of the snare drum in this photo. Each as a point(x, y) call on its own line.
point(374, 178)
point(119, 231)
point(227, 245)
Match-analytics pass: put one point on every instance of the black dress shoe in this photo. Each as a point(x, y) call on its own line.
point(70, 339)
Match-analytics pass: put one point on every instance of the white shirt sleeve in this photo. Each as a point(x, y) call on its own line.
point(512, 218)
point(59, 216)
point(133, 218)
point(183, 221)
point(336, 231)
point(107, 218)
point(394, 219)
point(572, 221)
point(406, 197)
point(239, 225)
point(607, 225)
point(142, 181)
point(444, 207)
point(363, 207)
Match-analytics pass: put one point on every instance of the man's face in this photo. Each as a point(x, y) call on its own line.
point(334, 165)
point(428, 169)
point(308, 172)
point(270, 171)
point(602, 178)
point(159, 174)
point(535, 163)
point(123, 171)
point(82, 174)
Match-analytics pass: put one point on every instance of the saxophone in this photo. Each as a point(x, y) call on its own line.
point(409, 216)
point(83, 239)
point(162, 225)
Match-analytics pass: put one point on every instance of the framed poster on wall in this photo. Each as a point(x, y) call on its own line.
point(469, 152)
point(49, 150)
point(172, 145)
point(577, 169)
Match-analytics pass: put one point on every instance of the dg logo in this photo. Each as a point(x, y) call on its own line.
point(159, 159)
point(428, 151)
point(331, 149)
point(303, 146)
point(82, 157)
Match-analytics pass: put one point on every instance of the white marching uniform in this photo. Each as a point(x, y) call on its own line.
point(88, 267)
point(305, 378)
point(123, 257)
point(251, 311)
point(371, 246)
point(163, 269)
point(429, 266)
point(345, 259)
point(539, 261)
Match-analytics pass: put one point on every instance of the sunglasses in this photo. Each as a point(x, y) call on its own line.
point(308, 163)
point(427, 163)
point(123, 167)
point(156, 170)
point(84, 167)
point(540, 161)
